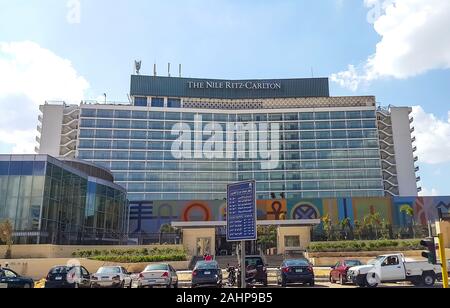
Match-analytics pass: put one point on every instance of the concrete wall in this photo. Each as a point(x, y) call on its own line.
point(444, 228)
point(404, 154)
point(51, 129)
point(52, 251)
point(303, 232)
point(191, 236)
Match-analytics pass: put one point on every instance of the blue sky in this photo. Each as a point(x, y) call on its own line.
point(230, 39)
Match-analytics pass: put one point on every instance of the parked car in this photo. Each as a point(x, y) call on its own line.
point(257, 263)
point(340, 270)
point(11, 280)
point(68, 277)
point(207, 274)
point(296, 271)
point(158, 275)
point(111, 277)
point(394, 268)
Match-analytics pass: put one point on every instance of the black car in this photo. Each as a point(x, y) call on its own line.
point(11, 280)
point(296, 271)
point(207, 274)
point(68, 277)
point(257, 264)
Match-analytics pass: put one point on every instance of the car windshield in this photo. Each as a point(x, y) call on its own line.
point(206, 265)
point(156, 267)
point(352, 263)
point(108, 270)
point(378, 259)
point(297, 263)
point(254, 262)
point(59, 270)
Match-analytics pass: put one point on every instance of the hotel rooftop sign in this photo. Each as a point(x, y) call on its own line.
point(228, 89)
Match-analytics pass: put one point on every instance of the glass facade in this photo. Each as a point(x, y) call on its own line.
point(322, 154)
point(49, 202)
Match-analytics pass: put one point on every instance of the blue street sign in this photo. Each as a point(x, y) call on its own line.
point(241, 212)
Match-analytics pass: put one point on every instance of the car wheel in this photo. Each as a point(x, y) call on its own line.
point(341, 280)
point(429, 279)
point(27, 286)
point(372, 286)
point(265, 283)
point(76, 286)
point(176, 285)
point(283, 283)
point(312, 283)
point(122, 285)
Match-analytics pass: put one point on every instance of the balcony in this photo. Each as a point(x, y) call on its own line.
point(414, 149)
point(39, 128)
point(413, 129)
point(36, 150)
point(414, 139)
point(40, 118)
point(419, 189)
point(418, 179)
point(416, 159)
point(38, 139)
point(417, 169)
point(411, 120)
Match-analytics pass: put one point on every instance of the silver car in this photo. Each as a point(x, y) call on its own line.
point(158, 275)
point(111, 277)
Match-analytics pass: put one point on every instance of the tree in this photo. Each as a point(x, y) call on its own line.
point(409, 211)
point(167, 228)
point(327, 225)
point(267, 237)
point(6, 236)
point(345, 226)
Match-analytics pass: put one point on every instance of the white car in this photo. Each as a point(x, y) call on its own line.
point(394, 268)
point(158, 275)
point(111, 277)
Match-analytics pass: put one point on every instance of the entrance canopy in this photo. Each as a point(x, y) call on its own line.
point(278, 223)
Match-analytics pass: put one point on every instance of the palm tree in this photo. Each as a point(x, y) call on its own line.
point(327, 226)
point(6, 236)
point(345, 225)
point(409, 211)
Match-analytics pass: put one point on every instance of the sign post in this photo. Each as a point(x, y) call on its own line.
point(241, 218)
point(443, 260)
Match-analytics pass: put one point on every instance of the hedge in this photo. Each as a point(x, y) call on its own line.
point(133, 255)
point(356, 246)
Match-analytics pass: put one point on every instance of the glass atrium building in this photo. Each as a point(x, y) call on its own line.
point(65, 202)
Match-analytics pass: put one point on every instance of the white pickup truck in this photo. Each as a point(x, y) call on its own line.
point(394, 268)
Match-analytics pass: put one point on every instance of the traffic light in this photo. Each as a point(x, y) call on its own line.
point(430, 244)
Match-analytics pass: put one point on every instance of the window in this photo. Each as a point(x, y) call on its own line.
point(88, 113)
point(174, 103)
point(292, 241)
point(158, 102)
point(123, 114)
point(105, 113)
point(140, 101)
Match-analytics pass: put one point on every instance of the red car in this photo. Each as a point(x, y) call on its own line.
point(339, 271)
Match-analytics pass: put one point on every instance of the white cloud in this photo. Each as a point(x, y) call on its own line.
point(433, 135)
point(415, 38)
point(30, 75)
point(429, 192)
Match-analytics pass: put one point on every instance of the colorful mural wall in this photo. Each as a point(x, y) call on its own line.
point(148, 217)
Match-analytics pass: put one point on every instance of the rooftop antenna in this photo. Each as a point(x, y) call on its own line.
point(168, 69)
point(179, 70)
point(154, 70)
point(137, 66)
point(104, 94)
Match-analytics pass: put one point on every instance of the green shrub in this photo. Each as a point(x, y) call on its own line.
point(355, 246)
